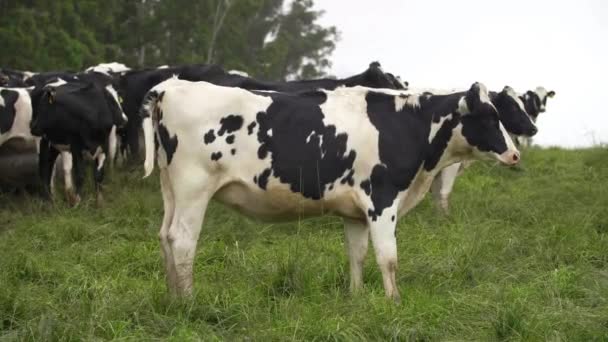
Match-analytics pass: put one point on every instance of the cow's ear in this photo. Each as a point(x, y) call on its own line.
point(551, 94)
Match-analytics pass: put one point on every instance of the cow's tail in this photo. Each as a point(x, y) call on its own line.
point(148, 113)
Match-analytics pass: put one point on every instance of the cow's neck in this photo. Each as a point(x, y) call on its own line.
point(442, 149)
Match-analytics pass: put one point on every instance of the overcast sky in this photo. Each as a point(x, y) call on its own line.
point(559, 44)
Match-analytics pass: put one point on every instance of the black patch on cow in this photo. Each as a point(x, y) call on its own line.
point(255, 179)
point(366, 186)
point(250, 127)
point(440, 142)
point(215, 156)
point(331, 187)
point(230, 139)
point(7, 112)
point(305, 161)
point(263, 179)
point(402, 145)
point(393, 218)
point(229, 124)
point(209, 137)
point(348, 179)
point(169, 143)
point(233, 151)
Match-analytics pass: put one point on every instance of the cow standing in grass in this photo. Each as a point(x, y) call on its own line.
point(366, 155)
point(516, 121)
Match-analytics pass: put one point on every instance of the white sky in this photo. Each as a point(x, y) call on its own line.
point(559, 44)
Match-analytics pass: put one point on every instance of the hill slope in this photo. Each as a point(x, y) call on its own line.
point(523, 255)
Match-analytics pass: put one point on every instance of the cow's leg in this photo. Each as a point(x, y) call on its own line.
point(385, 245)
point(67, 164)
point(46, 160)
point(163, 235)
point(357, 238)
point(98, 174)
point(78, 166)
point(112, 147)
point(133, 139)
point(183, 237)
point(442, 186)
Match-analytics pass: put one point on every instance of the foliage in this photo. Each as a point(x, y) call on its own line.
point(263, 37)
point(523, 256)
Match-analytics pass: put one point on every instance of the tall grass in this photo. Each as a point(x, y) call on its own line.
point(523, 256)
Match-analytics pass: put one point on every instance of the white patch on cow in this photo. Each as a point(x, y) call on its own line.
point(23, 116)
point(112, 144)
point(269, 132)
point(310, 136)
point(101, 158)
point(463, 108)
point(238, 73)
point(483, 94)
point(117, 99)
point(435, 126)
point(106, 68)
point(57, 83)
point(512, 94)
point(163, 67)
point(411, 100)
point(67, 164)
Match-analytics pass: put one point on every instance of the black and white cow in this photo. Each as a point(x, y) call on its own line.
point(73, 118)
point(535, 102)
point(15, 114)
point(367, 155)
point(516, 121)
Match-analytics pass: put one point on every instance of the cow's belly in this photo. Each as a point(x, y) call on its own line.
point(281, 204)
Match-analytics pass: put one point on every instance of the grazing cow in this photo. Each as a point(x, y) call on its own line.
point(516, 121)
point(15, 114)
point(367, 155)
point(74, 117)
point(134, 85)
point(535, 103)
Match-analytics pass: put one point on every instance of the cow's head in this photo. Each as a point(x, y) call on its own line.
point(375, 77)
point(512, 113)
point(535, 101)
point(484, 135)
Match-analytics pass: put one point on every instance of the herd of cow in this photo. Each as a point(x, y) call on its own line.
point(366, 148)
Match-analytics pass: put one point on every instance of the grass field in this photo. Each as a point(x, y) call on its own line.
point(523, 256)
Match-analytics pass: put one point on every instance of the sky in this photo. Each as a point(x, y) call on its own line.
point(444, 44)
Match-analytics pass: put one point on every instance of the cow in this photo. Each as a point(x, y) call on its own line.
point(366, 155)
point(15, 114)
point(134, 85)
point(517, 122)
point(73, 118)
point(535, 102)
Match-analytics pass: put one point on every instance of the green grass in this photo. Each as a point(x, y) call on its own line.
point(523, 256)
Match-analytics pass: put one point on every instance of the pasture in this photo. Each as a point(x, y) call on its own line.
point(523, 256)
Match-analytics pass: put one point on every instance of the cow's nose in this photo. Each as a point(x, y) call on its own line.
point(533, 131)
point(515, 157)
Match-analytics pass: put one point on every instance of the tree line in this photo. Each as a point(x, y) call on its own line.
point(267, 38)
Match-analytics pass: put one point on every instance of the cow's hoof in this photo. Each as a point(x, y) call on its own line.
point(73, 199)
point(99, 200)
